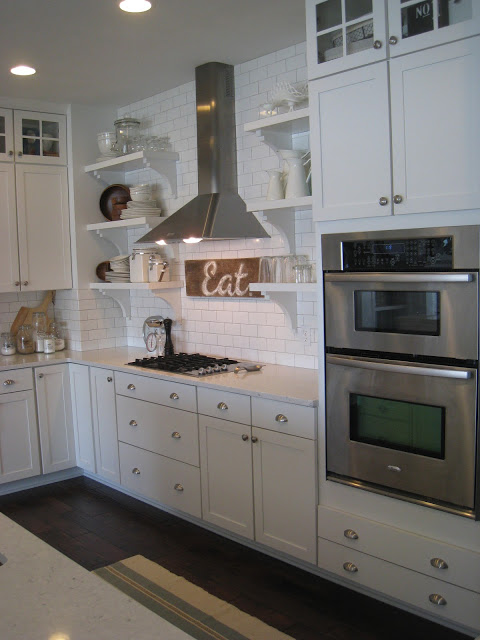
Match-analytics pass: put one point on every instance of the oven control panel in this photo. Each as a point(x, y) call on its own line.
point(412, 254)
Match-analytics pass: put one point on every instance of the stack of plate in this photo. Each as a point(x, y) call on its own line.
point(120, 269)
point(140, 208)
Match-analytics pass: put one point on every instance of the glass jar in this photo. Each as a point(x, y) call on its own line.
point(39, 324)
point(49, 343)
point(59, 341)
point(25, 340)
point(127, 130)
point(39, 341)
point(8, 346)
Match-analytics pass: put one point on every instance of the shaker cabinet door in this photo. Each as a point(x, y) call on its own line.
point(19, 448)
point(104, 415)
point(350, 143)
point(9, 270)
point(435, 106)
point(82, 416)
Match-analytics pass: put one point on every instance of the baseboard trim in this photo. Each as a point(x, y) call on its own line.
point(39, 481)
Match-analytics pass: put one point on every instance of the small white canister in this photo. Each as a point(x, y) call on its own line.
point(158, 269)
point(139, 265)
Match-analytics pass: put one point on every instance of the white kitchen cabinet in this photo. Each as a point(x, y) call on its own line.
point(32, 137)
point(6, 135)
point(57, 440)
point(104, 416)
point(226, 472)
point(435, 136)
point(343, 34)
point(82, 416)
point(19, 446)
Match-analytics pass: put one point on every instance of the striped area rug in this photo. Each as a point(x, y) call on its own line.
point(185, 605)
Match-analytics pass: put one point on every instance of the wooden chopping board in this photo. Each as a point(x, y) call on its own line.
point(24, 316)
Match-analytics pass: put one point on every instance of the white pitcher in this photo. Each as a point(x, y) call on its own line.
point(275, 189)
point(296, 179)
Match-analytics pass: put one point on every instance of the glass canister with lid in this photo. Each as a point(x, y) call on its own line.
point(127, 130)
point(8, 346)
point(25, 342)
point(139, 264)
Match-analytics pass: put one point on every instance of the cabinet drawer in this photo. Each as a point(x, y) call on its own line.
point(172, 483)
point(426, 555)
point(16, 380)
point(171, 432)
point(171, 394)
point(293, 419)
point(224, 404)
point(459, 605)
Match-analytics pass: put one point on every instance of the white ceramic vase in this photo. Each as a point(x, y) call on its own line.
point(296, 179)
point(275, 189)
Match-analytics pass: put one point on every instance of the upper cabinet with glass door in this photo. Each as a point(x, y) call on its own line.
point(415, 25)
point(6, 135)
point(343, 34)
point(39, 138)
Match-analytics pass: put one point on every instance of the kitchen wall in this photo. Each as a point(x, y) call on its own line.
point(242, 328)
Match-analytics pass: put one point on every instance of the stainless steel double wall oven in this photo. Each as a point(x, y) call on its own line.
point(402, 341)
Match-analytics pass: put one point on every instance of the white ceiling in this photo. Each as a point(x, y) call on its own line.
point(91, 52)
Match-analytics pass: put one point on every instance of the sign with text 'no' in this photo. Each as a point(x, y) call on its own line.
point(222, 278)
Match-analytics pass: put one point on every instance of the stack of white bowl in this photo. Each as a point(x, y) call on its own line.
point(141, 203)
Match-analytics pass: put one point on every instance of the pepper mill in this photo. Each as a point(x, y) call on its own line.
point(168, 349)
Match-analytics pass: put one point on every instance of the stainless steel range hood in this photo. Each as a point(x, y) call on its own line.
point(218, 212)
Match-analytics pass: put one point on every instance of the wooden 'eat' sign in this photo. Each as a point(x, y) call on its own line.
point(227, 278)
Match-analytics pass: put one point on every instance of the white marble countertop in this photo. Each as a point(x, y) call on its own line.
point(46, 596)
point(275, 382)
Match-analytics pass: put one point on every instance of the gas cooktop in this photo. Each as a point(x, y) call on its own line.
point(193, 364)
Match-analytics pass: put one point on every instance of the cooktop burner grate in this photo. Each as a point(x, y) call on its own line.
point(193, 364)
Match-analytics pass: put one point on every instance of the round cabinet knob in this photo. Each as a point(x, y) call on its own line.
point(383, 201)
point(178, 487)
point(393, 40)
point(438, 563)
point(20, 154)
point(254, 439)
point(377, 44)
point(350, 534)
point(136, 471)
point(176, 435)
point(7, 383)
point(437, 599)
point(25, 282)
point(133, 423)
point(281, 418)
point(244, 437)
point(397, 199)
point(222, 406)
point(131, 387)
point(40, 375)
point(10, 153)
point(174, 396)
point(17, 283)
point(350, 567)
point(109, 379)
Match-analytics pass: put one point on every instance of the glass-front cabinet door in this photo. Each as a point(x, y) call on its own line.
point(40, 138)
point(415, 24)
point(343, 34)
point(6, 135)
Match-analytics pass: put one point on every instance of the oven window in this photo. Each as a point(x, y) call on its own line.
point(414, 312)
point(405, 426)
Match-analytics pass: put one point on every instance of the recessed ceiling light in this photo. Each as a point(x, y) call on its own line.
point(135, 6)
point(23, 70)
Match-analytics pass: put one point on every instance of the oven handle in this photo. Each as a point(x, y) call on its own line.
point(399, 368)
point(399, 277)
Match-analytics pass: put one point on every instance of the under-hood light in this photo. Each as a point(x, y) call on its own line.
point(161, 242)
point(191, 240)
point(23, 70)
point(135, 6)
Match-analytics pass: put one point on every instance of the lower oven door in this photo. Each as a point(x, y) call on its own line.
point(432, 314)
point(406, 427)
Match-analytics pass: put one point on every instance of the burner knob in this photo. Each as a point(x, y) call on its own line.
point(201, 371)
point(216, 367)
point(209, 369)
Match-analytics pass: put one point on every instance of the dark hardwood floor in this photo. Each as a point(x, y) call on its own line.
point(95, 526)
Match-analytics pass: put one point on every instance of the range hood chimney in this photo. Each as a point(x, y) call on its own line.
point(218, 212)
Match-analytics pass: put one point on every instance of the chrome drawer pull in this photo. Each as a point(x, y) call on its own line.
point(222, 406)
point(176, 435)
point(281, 418)
point(174, 396)
point(136, 471)
point(133, 423)
point(350, 534)
point(244, 437)
point(178, 487)
point(7, 383)
point(436, 598)
point(349, 566)
point(438, 563)
point(131, 387)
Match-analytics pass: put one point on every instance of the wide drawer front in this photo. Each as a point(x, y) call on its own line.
point(16, 380)
point(294, 419)
point(170, 432)
point(438, 598)
point(426, 555)
point(170, 394)
point(224, 404)
point(172, 483)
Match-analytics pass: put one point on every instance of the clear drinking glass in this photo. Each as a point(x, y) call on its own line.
point(265, 271)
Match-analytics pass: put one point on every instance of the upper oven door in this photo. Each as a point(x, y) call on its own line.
point(428, 314)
